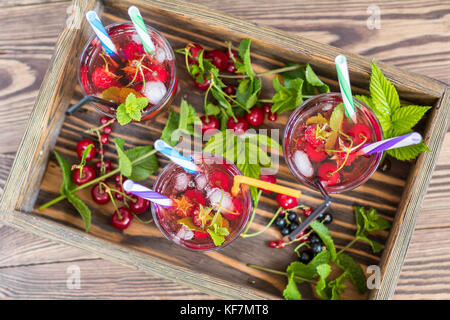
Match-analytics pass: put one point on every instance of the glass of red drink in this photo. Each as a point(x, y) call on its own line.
point(153, 76)
point(198, 198)
point(321, 143)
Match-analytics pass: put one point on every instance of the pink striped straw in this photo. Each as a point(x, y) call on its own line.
point(391, 143)
point(146, 193)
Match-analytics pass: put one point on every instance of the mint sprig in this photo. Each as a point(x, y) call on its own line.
point(131, 109)
point(395, 119)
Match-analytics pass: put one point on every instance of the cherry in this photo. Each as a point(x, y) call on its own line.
point(268, 178)
point(82, 145)
point(106, 163)
point(286, 202)
point(360, 133)
point(255, 117)
point(315, 153)
point(194, 51)
point(117, 178)
point(220, 180)
point(104, 139)
point(230, 90)
point(209, 123)
point(107, 130)
point(272, 116)
point(117, 195)
point(99, 194)
point(219, 59)
point(326, 174)
point(231, 68)
point(140, 206)
point(122, 221)
point(104, 120)
point(87, 174)
point(202, 85)
point(238, 127)
point(267, 108)
point(232, 55)
point(236, 211)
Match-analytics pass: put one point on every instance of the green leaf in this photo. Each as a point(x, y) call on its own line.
point(405, 118)
point(247, 92)
point(287, 97)
point(217, 239)
point(323, 271)
point(68, 183)
point(144, 168)
point(122, 116)
point(244, 53)
point(85, 154)
point(384, 119)
point(354, 271)
point(291, 291)
point(409, 152)
point(211, 109)
point(324, 234)
point(383, 92)
point(82, 209)
point(171, 126)
point(335, 287)
point(367, 221)
point(313, 80)
point(308, 271)
point(131, 109)
point(125, 165)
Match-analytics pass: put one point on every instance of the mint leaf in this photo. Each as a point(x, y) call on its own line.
point(131, 109)
point(367, 221)
point(247, 92)
point(82, 209)
point(125, 165)
point(217, 239)
point(287, 97)
point(354, 271)
point(144, 168)
point(312, 85)
point(188, 117)
point(308, 271)
point(244, 53)
point(324, 234)
point(404, 118)
point(336, 287)
point(291, 291)
point(323, 271)
point(167, 133)
point(122, 115)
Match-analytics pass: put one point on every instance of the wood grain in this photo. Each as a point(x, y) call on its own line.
point(277, 19)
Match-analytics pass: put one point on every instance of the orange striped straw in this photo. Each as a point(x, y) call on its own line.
point(238, 180)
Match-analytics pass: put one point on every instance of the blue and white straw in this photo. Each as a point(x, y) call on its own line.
point(185, 162)
point(101, 33)
point(146, 193)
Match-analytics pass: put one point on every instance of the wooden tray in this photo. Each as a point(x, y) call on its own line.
point(35, 177)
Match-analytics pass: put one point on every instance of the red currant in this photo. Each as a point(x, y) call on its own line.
point(273, 244)
point(82, 145)
point(104, 139)
point(122, 221)
point(307, 211)
point(255, 117)
point(104, 120)
point(267, 108)
point(272, 116)
point(107, 130)
point(87, 174)
point(286, 202)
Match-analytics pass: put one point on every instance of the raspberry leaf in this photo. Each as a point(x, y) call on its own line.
point(405, 118)
point(409, 152)
point(383, 93)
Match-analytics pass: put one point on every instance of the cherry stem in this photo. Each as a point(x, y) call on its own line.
point(265, 228)
point(140, 220)
point(279, 273)
point(94, 181)
point(92, 130)
point(278, 70)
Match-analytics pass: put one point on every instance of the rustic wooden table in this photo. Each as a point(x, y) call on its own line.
point(412, 35)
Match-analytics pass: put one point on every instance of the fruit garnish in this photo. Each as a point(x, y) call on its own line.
point(312, 135)
point(119, 94)
point(182, 207)
point(203, 215)
point(103, 79)
point(200, 235)
point(133, 51)
point(328, 172)
point(220, 180)
point(360, 133)
point(195, 197)
point(318, 119)
point(315, 153)
point(131, 109)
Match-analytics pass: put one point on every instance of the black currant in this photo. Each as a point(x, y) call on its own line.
point(285, 231)
point(292, 216)
point(328, 218)
point(280, 222)
point(316, 247)
point(306, 256)
point(293, 226)
point(314, 238)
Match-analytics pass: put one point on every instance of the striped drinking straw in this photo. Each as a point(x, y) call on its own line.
point(344, 84)
point(391, 143)
point(101, 33)
point(146, 193)
point(141, 30)
point(185, 162)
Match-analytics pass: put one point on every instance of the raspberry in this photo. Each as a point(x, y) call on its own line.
point(156, 73)
point(315, 153)
point(133, 51)
point(220, 180)
point(103, 79)
point(195, 197)
point(310, 135)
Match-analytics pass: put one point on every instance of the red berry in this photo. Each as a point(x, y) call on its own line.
point(104, 120)
point(107, 130)
point(311, 136)
point(307, 211)
point(195, 197)
point(202, 85)
point(350, 158)
point(200, 235)
point(140, 206)
point(156, 73)
point(236, 211)
point(209, 124)
point(87, 174)
point(273, 244)
point(103, 79)
point(196, 220)
point(302, 237)
point(272, 116)
point(315, 153)
point(238, 127)
point(360, 133)
point(326, 174)
point(230, 90)
point(83, 145)
point(106, 163)
point(231, 68)
point(133, 51)
point(268, 178)
point(104, 139)
point(123, 221)
point(117, 178)
point(255, 117)
point(286, 202)
point(101, 151)
point(118, 196)
point(232, 55)
point(280, 244)
point(220, 180)
point(267, 108)
point(219, 59)
point(99, 194)
point(194, 51)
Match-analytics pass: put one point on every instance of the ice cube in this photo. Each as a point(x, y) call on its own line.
point(200, 181)
point(218, 196)
point(303, 164)
point(184, 233)
point(160, 55)
point(155, 91)
point(181, 181)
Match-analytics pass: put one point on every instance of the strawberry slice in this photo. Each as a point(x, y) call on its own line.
point(200, 235)
point(359, 133)
point(315, 153)
point(220, 180)
point(103, 79)
point(326, 174)
point(310, 135)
